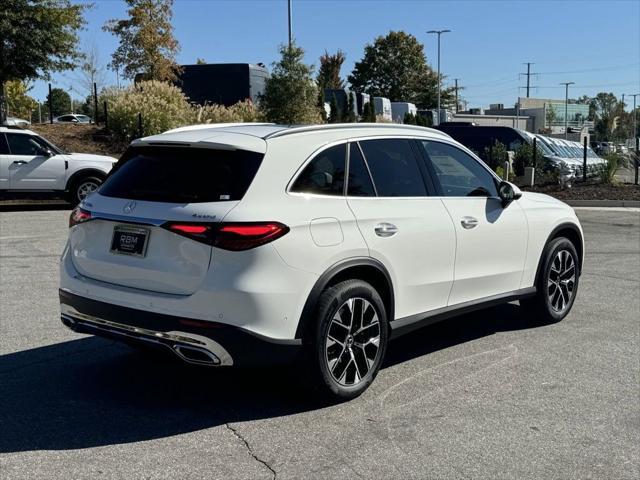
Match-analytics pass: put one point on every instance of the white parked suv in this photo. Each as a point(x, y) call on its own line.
point(29, 163)
point(254, 244)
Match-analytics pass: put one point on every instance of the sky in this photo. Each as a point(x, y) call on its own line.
point(595, 44)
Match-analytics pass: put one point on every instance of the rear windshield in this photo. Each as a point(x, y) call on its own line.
point(182, 175)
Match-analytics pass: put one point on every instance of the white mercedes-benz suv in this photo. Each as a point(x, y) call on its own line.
point(252, 244)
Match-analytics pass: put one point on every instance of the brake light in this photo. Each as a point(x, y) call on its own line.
point(79, 215)
point(244, 236)
point(230, 236)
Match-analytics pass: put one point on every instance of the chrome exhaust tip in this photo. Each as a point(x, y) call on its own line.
point(196, 355)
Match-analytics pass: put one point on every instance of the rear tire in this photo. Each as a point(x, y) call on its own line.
point(82, 187)
point(347, 343)
point(557, 285)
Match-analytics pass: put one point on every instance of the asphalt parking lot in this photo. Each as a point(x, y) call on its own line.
point(487, 395)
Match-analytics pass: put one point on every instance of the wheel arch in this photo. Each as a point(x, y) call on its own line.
point(361, 268)
point(85, 172)
point(571, 232)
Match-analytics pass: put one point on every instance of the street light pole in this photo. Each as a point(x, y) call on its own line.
point(439, 32)
point(289, 11)
point(566, 107)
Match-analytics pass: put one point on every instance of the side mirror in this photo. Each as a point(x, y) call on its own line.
point(74, 120)
point(508, 192)
point(45, 152)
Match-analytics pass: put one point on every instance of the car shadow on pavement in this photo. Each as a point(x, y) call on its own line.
point(93, 392)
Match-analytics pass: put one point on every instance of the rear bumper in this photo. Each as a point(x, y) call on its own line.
point(194, 341)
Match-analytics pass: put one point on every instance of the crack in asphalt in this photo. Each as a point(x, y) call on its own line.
point(250, 450)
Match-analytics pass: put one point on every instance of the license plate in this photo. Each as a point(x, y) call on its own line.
point(130, 241)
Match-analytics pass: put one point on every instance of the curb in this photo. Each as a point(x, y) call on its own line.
point(603, 203)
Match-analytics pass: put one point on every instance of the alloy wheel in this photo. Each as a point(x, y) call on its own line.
point(85, 188)
point(352, 342)
point(562, 280)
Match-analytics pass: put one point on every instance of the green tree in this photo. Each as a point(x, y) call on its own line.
point(369, 112)
point(335, 115)
point(290, 94)
point(147, 45)
point(37, 37)
point(409, 119)
point(329, 72)
point(19, 103)
point(60, 102)
point(395, 67)
point(550, 115)
point(350, 115)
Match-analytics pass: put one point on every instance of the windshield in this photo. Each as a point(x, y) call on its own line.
point(51, 146)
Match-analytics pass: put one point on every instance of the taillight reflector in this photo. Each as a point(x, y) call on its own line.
point(178, 227)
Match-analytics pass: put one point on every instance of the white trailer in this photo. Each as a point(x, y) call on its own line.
point(400, 109)
point(383, 107)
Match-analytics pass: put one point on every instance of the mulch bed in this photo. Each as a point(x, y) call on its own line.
point(590, 191)
point(79, 138)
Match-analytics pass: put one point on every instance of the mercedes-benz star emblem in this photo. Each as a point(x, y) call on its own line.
point(129, 207)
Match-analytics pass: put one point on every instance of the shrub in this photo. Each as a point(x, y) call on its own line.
point(607, 170)
point(245, 111)
point(523, 157)
point(496, 155)
point(163, 107)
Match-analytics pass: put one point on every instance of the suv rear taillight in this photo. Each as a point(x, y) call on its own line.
point(79, 215)
point(230, 236)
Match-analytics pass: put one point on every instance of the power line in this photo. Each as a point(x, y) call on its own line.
point(596, 69)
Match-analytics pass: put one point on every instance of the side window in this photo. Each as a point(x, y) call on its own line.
point(324, 175)
point(359, 183)
point(394, 168)
point(459, 174)
point(21, 144)
point(4, 148)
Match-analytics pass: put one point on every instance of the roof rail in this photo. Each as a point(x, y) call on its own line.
point(348, 126)
point(205, 126)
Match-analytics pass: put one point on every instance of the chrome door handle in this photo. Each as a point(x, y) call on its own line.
point(469, 222)
point(386, 229)
point(19, 162)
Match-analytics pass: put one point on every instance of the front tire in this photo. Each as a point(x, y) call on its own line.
point(557, 285)
point(349, 339)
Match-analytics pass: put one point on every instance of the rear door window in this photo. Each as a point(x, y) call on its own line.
point(324, 175)
point(394, 168)
point(182, 175)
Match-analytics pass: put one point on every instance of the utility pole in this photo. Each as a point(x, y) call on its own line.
point(50, 106)
point(439, 32)
point(456, 87)
point(290, 35)
point(636, 138)
point(529, 75)
point(566, 107)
